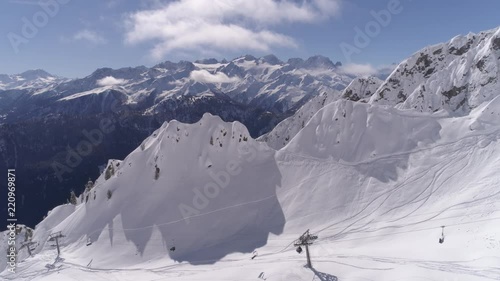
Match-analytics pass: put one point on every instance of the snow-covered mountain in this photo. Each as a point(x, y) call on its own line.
point(449, 78)
point(360, 89)
point(181, 191)
point(452, 77)
point(31, 79)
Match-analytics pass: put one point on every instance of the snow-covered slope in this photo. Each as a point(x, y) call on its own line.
point(360, 89)
point(152, 201)
point(375, 185)
point(288, 128)
point(378, 198)
point(346, 131)
point(453, 77)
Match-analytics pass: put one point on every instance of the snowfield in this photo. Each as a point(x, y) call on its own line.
point(377, 182)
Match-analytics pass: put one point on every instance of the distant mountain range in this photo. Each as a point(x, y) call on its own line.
point(265, 83)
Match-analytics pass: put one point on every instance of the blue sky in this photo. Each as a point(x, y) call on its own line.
point(75, 37)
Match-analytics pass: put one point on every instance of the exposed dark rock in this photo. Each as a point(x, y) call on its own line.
point(480, 64)
point(455, 91)
point(423, 62)
point(462, 50)
point(401, 96)
point(438, 51)
point(496, 44)
point(350, 96)
point(429, 72)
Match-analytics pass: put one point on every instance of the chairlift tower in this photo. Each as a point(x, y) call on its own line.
point(28, 245)
point(306, 240)
point(55, 237)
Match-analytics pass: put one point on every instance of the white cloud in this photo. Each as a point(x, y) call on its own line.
point(110, 81)
point(204, 76)
point(112, 3)
point(90, 36)
point(223, 24)
point(359, 69)
point(367, 69)
point(386, 70)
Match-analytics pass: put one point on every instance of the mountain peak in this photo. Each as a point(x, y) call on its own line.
point(35, 73)
point(296, 62)
point(271, 59)
point(245, 58)
point(207, 61)
point(318, 61)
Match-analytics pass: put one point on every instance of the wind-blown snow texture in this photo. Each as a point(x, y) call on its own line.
point(376, 184)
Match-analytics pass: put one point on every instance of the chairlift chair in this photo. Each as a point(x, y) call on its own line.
point(299, 250)
point(441, 239)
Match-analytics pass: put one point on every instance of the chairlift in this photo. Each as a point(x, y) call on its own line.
point(254, 254)
point(441, 239)
point(299, 250)
point(89, 242)
point(172, 242)
point(50, 266)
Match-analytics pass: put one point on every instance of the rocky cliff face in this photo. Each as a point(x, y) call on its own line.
point(452, 77)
